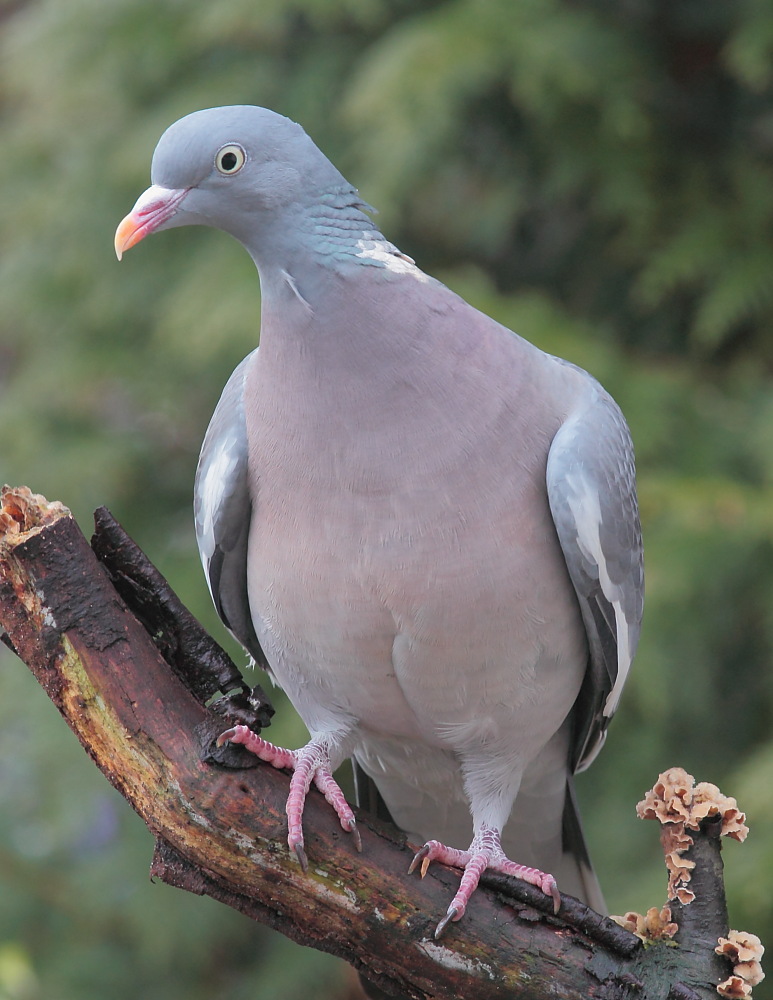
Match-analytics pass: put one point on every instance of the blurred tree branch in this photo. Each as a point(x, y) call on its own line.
point(146, 691)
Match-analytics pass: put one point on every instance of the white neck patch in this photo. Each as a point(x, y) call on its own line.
point(386, 255)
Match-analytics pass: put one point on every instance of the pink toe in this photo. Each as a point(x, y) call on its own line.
point(330, 788)
point(277, 756)
point(433, 850)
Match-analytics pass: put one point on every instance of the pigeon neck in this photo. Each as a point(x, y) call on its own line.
point(332, 233)
point(336, 225)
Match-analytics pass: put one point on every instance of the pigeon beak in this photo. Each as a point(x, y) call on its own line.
point(153, 209)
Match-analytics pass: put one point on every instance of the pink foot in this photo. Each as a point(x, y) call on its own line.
point(484, 852)
point(309, 764)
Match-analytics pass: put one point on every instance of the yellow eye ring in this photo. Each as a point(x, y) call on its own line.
point(230, 159)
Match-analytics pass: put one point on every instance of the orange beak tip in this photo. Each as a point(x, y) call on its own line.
point(127, 234)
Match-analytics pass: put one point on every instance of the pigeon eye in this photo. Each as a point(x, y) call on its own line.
point(230, 159)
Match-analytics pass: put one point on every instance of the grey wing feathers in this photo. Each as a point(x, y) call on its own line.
point(223, 508)
point(592, 494)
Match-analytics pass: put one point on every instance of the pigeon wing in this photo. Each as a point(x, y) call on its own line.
point(223, 510)
point(592, 494)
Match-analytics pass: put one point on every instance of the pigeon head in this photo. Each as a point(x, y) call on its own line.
point(243, 169)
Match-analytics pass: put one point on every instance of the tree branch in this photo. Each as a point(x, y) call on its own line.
point(146, 691)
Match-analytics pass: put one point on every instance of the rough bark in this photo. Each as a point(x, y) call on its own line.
point(146, 691)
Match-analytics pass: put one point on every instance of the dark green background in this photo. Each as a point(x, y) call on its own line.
point(596, 174)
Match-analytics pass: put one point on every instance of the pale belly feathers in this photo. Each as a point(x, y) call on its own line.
point(416, 616)
point(403, 562)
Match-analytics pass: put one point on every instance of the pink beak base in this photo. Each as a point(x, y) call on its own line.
point(153, 208)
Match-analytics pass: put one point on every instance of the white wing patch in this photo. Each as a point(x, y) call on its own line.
point(584, 504)
point(216, 473)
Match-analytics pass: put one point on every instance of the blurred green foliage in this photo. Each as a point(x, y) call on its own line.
point(596, 174)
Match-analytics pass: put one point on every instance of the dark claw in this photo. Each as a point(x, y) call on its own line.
point(452, 914)
point(301, 856)
point(356, 834)
point(225, 737)
point(418, 857)
point(556, 897)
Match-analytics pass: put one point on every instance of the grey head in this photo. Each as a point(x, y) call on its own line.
point(248, 171)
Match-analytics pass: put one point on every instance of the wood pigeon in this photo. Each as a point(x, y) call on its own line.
point(425, 526)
